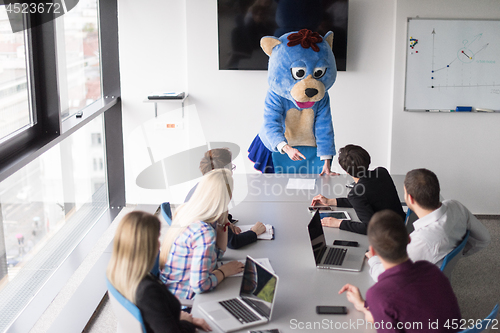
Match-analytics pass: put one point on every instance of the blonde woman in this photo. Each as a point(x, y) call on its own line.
point(198, 237)
point(135, 249)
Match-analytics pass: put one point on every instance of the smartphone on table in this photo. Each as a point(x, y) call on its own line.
point(331, 309)
point(345, 243)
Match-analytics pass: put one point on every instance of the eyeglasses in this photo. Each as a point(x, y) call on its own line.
point(233, 167)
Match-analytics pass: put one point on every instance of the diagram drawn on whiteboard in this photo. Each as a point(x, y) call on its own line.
point(451, 63)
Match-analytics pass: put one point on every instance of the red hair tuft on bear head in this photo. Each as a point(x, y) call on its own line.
point(306, 38)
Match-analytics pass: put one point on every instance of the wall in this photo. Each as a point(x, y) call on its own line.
point(173, 45)
point(462, 149)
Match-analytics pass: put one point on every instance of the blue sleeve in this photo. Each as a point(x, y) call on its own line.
point(323, 128)
point(273, 129)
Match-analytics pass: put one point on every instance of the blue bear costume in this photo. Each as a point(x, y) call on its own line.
point(297, 106)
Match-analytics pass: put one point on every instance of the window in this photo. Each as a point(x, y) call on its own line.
point(56, 195)
point(47, 207)
point(79, 57)
point(15, 112)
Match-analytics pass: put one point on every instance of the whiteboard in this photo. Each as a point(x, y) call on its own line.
point(452, 63)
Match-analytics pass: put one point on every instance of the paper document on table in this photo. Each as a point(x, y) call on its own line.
point(301, 184)
point(268, 234)
point(263, 261)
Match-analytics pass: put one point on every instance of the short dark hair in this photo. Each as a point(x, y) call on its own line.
point(423, 186)
point(388, 236)
point(354, 160)
point(217, 158)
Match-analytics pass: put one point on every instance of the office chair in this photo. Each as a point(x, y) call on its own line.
point(408, 213)
point(166, 212)
point(485, 324)
point(128, 316)
point(451, 259)
point(409, 219)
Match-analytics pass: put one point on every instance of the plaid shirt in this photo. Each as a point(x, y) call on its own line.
point(192, 259)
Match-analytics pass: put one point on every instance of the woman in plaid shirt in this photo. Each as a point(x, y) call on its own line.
point(198, 237)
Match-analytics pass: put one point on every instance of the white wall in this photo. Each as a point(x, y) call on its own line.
point(462, 149)
point(172, 44)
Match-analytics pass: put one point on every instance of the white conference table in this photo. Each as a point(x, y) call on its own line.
point(301, 285)
point(272, 187)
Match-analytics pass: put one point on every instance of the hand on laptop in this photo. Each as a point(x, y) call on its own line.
point(331, 222)
point(231, 268)
point(259, 228)
point(186, 316)
point(201, 324)
point(322, 200)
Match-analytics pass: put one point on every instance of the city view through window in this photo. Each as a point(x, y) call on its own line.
point(14, 100)
point(49, 205)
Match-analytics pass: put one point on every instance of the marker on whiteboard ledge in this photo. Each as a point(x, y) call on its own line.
point(484, 110)
point(463, 109)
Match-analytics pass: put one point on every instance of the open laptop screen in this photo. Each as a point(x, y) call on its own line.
point(258, 287)
point(317, 237)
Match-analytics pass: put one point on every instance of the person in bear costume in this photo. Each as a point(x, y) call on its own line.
point(297, 106)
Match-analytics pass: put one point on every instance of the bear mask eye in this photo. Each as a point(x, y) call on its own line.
point(298, 72)
point(319, 72)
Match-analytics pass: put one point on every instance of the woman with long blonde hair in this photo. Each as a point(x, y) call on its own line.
point(135, 249)
point(198, 237)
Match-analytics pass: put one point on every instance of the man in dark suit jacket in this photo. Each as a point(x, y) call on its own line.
point(374, 191)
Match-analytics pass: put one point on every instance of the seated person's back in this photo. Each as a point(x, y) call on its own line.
point(407, 293)
point(373, 191)
point(219, 158)
point(198, 237)
point(135, 249)
point(441, 225)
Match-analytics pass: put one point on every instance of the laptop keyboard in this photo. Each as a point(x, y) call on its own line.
point(239, 311)
point(335, 256)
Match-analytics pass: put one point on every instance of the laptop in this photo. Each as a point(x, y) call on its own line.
point(255, 304)
point(333, 257)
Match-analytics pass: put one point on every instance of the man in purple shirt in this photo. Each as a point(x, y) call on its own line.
point(408, 297)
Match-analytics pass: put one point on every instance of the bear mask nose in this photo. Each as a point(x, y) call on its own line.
point(310, 92)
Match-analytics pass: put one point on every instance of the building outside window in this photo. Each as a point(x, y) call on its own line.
point(15, 112)
point(79, 57)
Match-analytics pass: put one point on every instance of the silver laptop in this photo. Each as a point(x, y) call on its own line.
point(255, 304)
point(333, 257)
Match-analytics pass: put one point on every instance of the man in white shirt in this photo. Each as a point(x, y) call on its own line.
point(441, 226)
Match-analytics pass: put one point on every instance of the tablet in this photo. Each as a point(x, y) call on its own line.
point(339, 214)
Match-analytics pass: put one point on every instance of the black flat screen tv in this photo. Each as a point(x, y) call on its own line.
point(242, 23)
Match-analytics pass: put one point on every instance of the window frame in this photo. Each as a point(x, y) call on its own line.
point(49, 129)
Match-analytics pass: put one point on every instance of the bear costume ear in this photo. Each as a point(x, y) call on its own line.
point(268, 43)
point(329, 38)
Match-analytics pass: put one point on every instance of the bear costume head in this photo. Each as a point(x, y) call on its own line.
point(301, 66)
